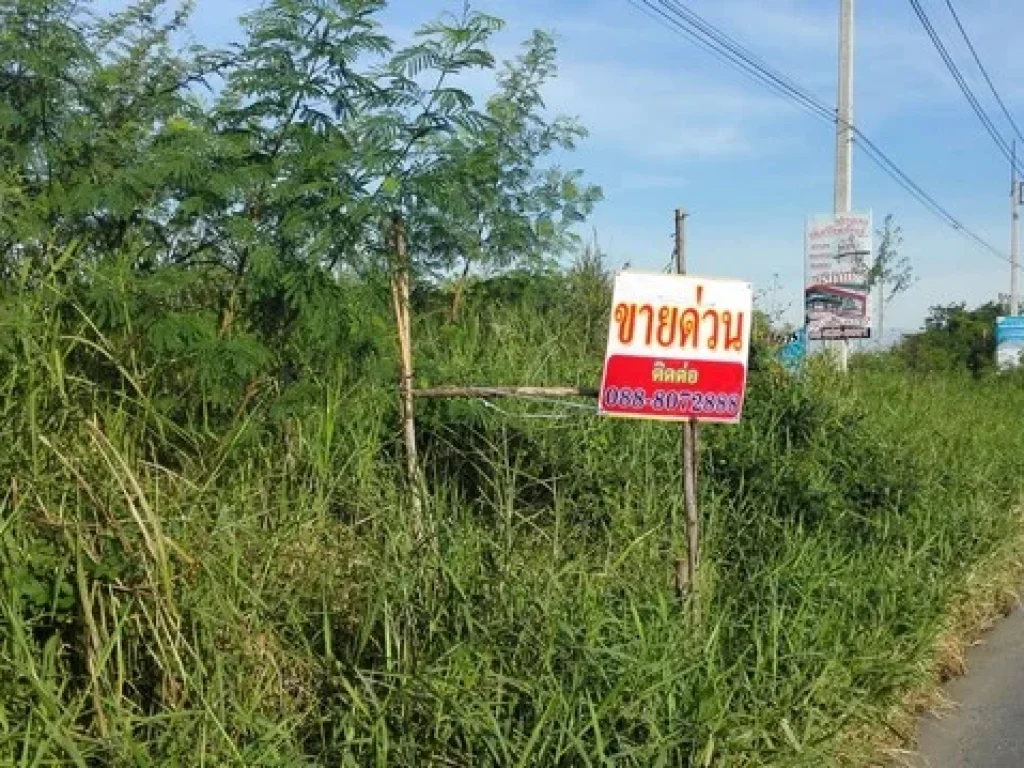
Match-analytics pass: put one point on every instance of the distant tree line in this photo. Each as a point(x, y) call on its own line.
point(954, 338)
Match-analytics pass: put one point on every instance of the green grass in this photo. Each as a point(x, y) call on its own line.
point(247, 591)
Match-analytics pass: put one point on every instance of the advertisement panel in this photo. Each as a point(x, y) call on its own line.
point(677, 348)
point(1010, 342)
point(837, 298)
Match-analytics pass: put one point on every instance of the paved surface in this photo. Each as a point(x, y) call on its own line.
point(986, 729)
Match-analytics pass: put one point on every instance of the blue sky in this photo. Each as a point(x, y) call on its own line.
point(670, 125)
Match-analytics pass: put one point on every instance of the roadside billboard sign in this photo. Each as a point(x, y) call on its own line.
point(837, 296)
point(1010, 342)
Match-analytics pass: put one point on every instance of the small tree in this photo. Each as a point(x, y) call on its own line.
point(495, 202)
point(891, 273)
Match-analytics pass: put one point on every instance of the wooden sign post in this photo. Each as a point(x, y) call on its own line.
point(687, 571)
point(678, 347)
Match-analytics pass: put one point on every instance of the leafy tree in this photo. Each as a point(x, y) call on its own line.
point(492, 205)
point(263, 215)
point(891, 273)
point(280, 201)
point(954, 338)
point(87, 115)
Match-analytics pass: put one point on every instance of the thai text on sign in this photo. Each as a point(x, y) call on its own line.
point(837, 295)
point(677, 348)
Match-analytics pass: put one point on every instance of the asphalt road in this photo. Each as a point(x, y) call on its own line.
point(986, 728)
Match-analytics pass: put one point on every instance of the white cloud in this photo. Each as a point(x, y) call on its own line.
point(646, 113)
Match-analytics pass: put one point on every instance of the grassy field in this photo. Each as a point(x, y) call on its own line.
point(244, 588)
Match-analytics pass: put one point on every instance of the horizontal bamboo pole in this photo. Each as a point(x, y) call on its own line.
point(492, 392)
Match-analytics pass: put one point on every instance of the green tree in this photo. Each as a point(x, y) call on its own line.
point(891, 273)
point(280, 201)
point(493, 204)
point(88, 110)
point(954, 339)
point(265, 212)
point(337, 130)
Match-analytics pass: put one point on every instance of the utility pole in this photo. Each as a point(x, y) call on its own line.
point(1015, 195)
point(844, 135)
point(844, 121)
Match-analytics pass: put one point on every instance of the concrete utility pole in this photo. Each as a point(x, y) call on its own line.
point(844, 118)
point(844, 134)
point(1015, 194)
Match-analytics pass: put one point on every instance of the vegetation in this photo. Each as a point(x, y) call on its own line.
point(207, 554)
point(891, 273)
point(954, 340)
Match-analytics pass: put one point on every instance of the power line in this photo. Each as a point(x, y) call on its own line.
point(802, 95)
point(883, 161)
point(686, 22)
point(984, 71)
point(965, 88)
point(741, 60)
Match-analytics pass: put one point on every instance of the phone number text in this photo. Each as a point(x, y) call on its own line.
point(639, 399)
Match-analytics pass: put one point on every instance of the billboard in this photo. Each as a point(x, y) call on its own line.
point(1010, 342)
point(837, 297)
point(677, 348)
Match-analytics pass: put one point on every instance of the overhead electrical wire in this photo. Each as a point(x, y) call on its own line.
point(804, 97)
point(961, 81)
point(886, 164)
point(678, 17)
point(734, 55)
point(984, 71)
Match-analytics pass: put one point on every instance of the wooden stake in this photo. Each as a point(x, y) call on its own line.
point(688, 571)
point(692, 512)
point(494, 392)
point(400, 294)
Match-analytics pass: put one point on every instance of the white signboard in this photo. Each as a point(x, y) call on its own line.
point(837, 300)
point(677, 348)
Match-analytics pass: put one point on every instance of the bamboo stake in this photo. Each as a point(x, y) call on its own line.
point(501, 391)
point(688, 571)
point(693, 532)
point(400, 294)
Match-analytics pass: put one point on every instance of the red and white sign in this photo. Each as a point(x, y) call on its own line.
point(677, 348)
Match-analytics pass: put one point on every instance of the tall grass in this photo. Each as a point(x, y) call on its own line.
point(250, 593)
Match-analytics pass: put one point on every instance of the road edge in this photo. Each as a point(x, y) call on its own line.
point(990, 593)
